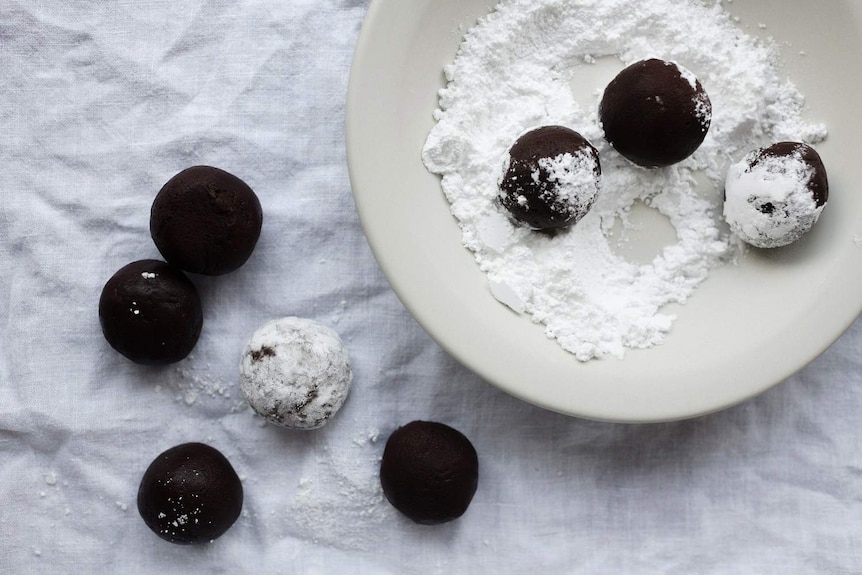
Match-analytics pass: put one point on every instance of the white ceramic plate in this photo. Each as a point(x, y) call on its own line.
point(745, 329)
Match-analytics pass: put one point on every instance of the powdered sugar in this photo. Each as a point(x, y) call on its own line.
point(574, 179)
point(515, 71)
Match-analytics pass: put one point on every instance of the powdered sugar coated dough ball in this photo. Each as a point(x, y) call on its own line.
point(551, 178)
point(295, 373)
point(774, 195)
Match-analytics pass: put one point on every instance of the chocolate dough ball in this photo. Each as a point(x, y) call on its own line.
point(429, 472)
point(295, 372)
point(774, 195)
point(655, 113)
point(151, 313)
point(190, 494)
point(206, 221)
point(551, 178)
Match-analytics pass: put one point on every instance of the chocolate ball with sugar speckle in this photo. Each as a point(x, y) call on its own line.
point(429, 472)
point(295, 373)
point(550, 179)
point(190, 494)
point(655, 113)
point(205, 220)
point(151, 313)
point(775, 195)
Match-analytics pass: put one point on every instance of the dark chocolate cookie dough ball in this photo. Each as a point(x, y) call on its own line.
point(429, 472)
point(190, 494)
point(206, 221)
point(655, 113)
point(775, 195)
point(151, 313)
point(551, 178)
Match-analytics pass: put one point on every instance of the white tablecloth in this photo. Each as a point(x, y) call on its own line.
point(101, 103)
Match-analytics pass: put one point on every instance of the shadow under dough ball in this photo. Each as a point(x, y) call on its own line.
point(429, 472)
point(190, 494)
point(655, 113)
point(206, 221)
point(551, 178)
point(151, 313)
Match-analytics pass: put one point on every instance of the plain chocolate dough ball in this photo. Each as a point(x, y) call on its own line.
point(429, 472)
point(151, 313)
point(206, 221)
point(655, 113)
point(551, 178)
point(190, 494)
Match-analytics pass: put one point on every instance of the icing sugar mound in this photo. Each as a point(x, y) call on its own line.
point(295, 373)
point(514, 70)
point(770, 204)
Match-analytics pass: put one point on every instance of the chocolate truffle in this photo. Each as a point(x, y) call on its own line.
point(429, 472)
point(774, 195)
point(551, 178)
point(295, 373)
point(206, 221)
point(151, 313)
point(655, 113)
point(190, 494)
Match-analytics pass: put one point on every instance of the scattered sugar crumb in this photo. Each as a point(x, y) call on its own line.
point(191, 386)
point(50, 478)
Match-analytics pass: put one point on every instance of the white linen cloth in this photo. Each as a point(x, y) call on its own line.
point(100, 104)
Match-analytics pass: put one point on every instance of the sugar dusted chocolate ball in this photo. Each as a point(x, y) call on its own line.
point(206, 221)
point(151, 313)
point(774, 195)
point(655, 113)
point(551, 178)
point(429, 472)
point(295, 372)
point(190, 494)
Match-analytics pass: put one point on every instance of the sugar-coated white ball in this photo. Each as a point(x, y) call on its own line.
point(295, 373)
point(774, 195)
